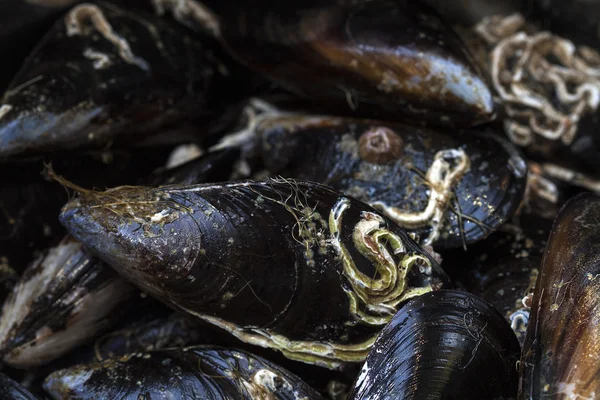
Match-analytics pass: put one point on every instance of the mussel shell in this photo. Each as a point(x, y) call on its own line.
point(30, 203)
point(377, 58)
point(214, 166)
point(172, 331)
point(563, 338)
point(503, 268)
point(277, 263)
point(191, 373)
point(62, 300)
point(11, 390)
point(103, 74)
point(442, 345)
point(332, 151)
point(67, 296)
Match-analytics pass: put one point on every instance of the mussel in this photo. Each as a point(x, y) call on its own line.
point(67, 296)
point(376, 58)
point(170, 331)
point(208, 373)
point(11, 390)
point(104, 75)
point(560, 354)
point(442, 345)
point(285, 264)
point(450, 189)
point(62, 300)
point(503, 269)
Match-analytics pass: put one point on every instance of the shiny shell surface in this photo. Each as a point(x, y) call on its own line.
point(289, 265)
point(563, 337)
point(382, 58)
point(190, 373)
point(450, 189)
point(442, 345)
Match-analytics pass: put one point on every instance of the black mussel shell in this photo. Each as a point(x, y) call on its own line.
point(62, 300)
point(386, 59)
point(503, 268)
point(562, 343)
point(11, 390)
point(191, 373)
point(171, 331)
point(30, 203)
point(442, 345)
point(285, 264)
point(103, 74)
point(547, 88)
point(215, 166)
point(450, 189)
point(67, 297)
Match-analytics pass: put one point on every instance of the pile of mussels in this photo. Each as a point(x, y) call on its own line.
point(332, 199)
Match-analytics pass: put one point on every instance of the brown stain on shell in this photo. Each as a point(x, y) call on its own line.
point(380, 145)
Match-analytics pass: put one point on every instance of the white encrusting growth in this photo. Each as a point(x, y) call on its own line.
point(75, 22)
point(545, 82)
point(265, 384)
point(182, 154)
point(189, 12)
point(255, 113)
point(101, 60)
point(571, 392)
point(447, 169)
point(159, 216)
point(572, 177)
point(363, 377)
point(5, 109)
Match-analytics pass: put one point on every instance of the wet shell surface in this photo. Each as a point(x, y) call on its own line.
point(208, 373)
point(450, 189)
point(503, 268)
point(385, 58)
point(442, 345)
point(11, 390)
point(289, 265)
point(561, 347)
point(63, 299)
point(103, 74)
